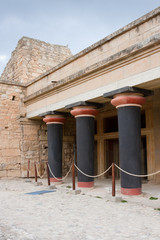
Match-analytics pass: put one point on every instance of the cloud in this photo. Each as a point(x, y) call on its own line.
point(3, 58)
point(3, 61)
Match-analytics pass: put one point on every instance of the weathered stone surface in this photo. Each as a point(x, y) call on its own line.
point(24, 140)
point(32, 58)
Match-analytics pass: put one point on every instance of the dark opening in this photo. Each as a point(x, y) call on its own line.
point(112, 155)
point(13, 98)
point(110, 124)
point(144, 157)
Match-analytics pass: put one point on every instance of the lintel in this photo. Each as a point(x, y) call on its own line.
point(53, 113)
point(128, 89)
point(84, 103)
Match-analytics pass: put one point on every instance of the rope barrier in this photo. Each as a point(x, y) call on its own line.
point(61, 178)
point(136, 175)
point(91, 175)
point(41, 176)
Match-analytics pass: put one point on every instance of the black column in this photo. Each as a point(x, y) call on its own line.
point(129, 125)
point(55, 150)
point(55, 134)
point(85, 149)
point(85, 143)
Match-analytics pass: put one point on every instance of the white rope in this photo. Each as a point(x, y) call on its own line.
point(135, 175)
point(41, 176)
point(91, 175)
point(61, 178)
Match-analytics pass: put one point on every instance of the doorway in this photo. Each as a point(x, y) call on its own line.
point(112, 155)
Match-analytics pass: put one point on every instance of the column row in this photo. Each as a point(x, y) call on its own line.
point(129, 124)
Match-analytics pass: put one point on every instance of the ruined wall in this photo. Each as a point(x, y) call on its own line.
point(32, 58)
point(33, 146)
point(21, 139)
point(12, 109)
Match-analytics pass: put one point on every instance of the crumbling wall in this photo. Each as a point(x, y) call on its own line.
point(11, 110)
point(21, 139)
point(33, 146)
point(32, 58)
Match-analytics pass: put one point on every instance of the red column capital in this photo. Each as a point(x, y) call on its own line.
point(54, 119)
point(128, 99)
point(82, 111)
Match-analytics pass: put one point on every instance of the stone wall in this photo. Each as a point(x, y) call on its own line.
point(21, 139)
point(24, 140)
point(32, 58)
point(12, 109)
point(33, 146)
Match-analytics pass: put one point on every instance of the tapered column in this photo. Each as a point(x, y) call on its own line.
point(85, 143)
point(129, 124)
point(54, 134)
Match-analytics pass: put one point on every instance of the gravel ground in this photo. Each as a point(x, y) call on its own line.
point(91, 215)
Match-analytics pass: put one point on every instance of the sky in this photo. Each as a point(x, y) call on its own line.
point(76, 23)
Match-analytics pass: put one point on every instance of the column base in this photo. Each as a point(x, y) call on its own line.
point(131, 191)
point(85, 184)
point(56, 180)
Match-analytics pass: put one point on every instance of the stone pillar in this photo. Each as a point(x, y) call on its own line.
point(129, 124)
point(55, 134)
point(85, 143)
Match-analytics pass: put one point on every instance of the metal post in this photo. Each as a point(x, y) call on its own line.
point(35, 168)
point(73, 176)
point(28, 168)
point(48, 174)
point(113, 180)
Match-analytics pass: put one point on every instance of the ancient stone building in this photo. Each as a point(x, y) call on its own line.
point(105, 99)
point(23, 139)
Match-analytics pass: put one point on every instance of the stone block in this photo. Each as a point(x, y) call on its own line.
point(75, 192)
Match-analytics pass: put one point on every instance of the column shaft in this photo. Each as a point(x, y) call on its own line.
point(129, 124)
point(129, 148)
point(55, 134)
point(55, 150)
point(85, 143)
point(85, 150)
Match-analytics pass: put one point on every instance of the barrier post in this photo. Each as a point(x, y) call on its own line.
point(35, 168)
point(113, 180)
point(73, 176)
point(28, 168)
point(48, 174)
